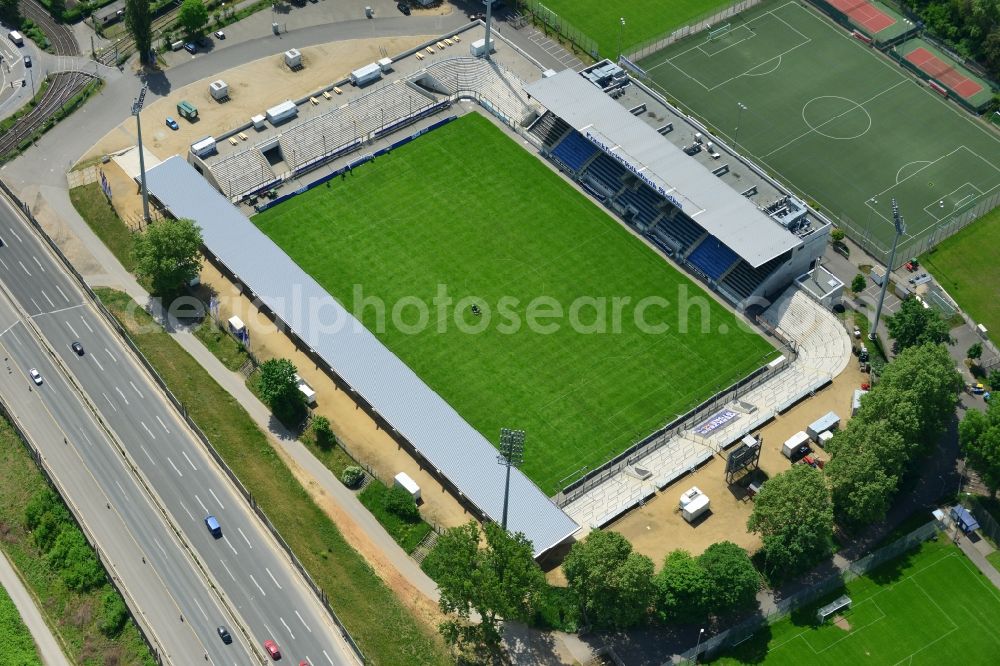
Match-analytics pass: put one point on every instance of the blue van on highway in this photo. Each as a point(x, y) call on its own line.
point(213, 526)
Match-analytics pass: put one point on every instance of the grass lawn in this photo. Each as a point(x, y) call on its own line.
point(408, 535)
point(222, 345)
point(523, 243)
point(994, 559)
point(840, 124)
point(73, 616)
point(644, 19)
point(94, 208)
point(385, 630)
point(965, 266)
point(932, 606)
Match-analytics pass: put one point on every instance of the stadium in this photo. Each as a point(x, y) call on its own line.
point(690, 215)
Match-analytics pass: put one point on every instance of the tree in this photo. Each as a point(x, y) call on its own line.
point(56, 8)
point(862, 491)
point(732, 578)
point(979, 437)
point(793, 514)
point(280, 390)
point(400, 502)
point(612, 584)
point(500, 581)
point(838, 235)
point(352, 476)
point(927, 377)
point(993, 379)
point(975, 351)
point(10, 12)
point(139, 22)
point(682, 588)
point(168, 255)
point(914, 325)
point(193, 17)
point(858, 283)
point(322, 432)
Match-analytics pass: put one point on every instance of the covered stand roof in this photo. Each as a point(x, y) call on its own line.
point(719, 209)
point(419, 414)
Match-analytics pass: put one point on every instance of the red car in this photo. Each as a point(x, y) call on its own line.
point(272, 649)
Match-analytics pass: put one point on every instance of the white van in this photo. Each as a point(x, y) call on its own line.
point(16, 37)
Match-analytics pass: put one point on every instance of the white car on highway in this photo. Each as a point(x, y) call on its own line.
point(35, 376)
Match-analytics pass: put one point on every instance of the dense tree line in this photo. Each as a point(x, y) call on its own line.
point(971, 27)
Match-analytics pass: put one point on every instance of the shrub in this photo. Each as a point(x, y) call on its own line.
point(322, 431)
point(400, 502)
point(114, 614)
point(352, 476)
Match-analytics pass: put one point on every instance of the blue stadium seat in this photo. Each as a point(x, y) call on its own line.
point(712, 257)
point(644, 201)
point(607, 173)
point(574, 151)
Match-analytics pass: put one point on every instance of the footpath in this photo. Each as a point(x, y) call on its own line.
point(49, 648)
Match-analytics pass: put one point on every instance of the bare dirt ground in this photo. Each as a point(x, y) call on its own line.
point(658, 528)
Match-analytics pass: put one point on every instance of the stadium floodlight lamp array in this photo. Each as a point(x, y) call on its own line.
point(900, 225)
point(136, 110)
point(511, 455)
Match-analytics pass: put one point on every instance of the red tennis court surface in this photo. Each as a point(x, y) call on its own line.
point(943, 72)
point(864, 14)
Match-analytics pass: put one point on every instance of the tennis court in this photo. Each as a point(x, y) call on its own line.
point(922, 55)
point(845, 127)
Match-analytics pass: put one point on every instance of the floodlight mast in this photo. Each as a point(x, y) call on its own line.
point(489, 26)
point(897, 221)
point(511, 455)
point(136, 110)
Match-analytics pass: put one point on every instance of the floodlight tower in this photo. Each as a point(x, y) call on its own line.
point(511, 455)
point(897, 221)
point(136, 110)
point(489, 25)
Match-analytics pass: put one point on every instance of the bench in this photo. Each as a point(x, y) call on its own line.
point(338, 90)
point(243, 137)
point(430, 50)
point(455, 38)
point(326, 94)
point(440, 45)
point(448, 41)
point(233, 140)
point(314, 101)
point(420, 56)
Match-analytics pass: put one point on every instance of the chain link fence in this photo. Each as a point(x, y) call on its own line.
point(693, 27)
point(548, 20)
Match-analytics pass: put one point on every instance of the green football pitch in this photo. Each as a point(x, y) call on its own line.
point(839, 123)
point(465, 209)
point(932, 606)
point(644, 19)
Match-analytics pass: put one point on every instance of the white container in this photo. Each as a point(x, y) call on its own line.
point(385, 64)
point(219, 89)
point(258, 121)
point(981, 330)
point(404, 481)
point(282, 112)
point(367, 74)
point(794, 442)
point(236, 326)
point(824, 438)
point(829, 421)
point(203, 147)
point(293, 58)
point(696, 508)
point(856, 400)
point(689, 496)
point(478, 47)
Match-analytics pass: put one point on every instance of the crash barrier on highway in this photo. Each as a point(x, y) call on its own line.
point(182, 411)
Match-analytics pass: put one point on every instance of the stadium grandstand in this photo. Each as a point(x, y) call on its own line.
point(695, 200)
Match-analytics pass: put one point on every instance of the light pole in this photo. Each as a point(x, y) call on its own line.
point(621, 29)
point(740, 108)
point(136, 110)
point(489, 26)
point(511, 455)
point(871, 210)
point(697, 647)
point(897, 221)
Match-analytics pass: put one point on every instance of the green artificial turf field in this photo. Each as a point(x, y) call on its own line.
point(969, 271)
point(932, 606)
point(839, 123)
point(467, 208)
point(644, 19)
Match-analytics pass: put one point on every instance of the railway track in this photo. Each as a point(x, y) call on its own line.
point(63, 87)
point(61, 37)
point(126, 45)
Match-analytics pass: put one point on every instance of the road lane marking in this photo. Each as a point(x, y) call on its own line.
point(111, 355)
point(203, 507)
point(186, 511)
point(37, 306)
point(230, 544)
point(260, 588)
point(184, 453)
point(109, 401)
point(146, 428)
point(47, 298)
point(97, 362)
point(6, 267)
point(65, 297)
point(84, 433)
point(303, 622)
point(179, 473)
point(122, 395)
point(204, 614)
point(147, 454)
point(141, 397)
point(42, 268)
point(161, 423)
point(24, 267)
point(287, 628)
point(275, 580)
point(15, 235)
point(123, 490)
point(159, 545)
point(86, 324)
point(14, 335)
point(10, 327)
point(223, 506)
point(240, 530)
point(72, 330)
point(230, 574)
point(328, 658)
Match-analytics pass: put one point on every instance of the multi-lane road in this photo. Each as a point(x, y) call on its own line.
point(252, 577)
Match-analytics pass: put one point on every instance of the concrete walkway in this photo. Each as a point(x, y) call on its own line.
point(979, 560)
point(48, 647)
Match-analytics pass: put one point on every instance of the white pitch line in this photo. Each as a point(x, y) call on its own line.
point(261, 590)
point(47, 297)
point(24, 267)
point(303, 622)
point(42, 268)
point(287, 628)
point(228, 571)
point(86, 324)
point(122, 395)
point(179, 473)
point(147, 454)
point(15, 235)
point(97, 362)
point(233, 548)
point(221, 505)
point(187, 511)
point(132, 384)
point(111, 355)
point(146, 428)
point(184, 453)
point(65, 297)
point(203, 507)
point(109, 401)
point(161, 423)
point(72, 330)
point(275, 580)
point(240, 530)
point(203, 613)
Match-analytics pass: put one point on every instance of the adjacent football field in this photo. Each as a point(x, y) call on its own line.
point(841, 124)
point(930, 607)
point(465, 210)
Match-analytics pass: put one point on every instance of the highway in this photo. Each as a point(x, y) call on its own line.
point(255, 575)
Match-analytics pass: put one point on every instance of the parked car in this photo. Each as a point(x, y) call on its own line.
point(219, 34)
point(35, 376)
point(172, 124)
point(213, 526)
point(191, 48)
point(403, 7)
point(27, 61)
point(224, 635)
point(77, 347)
point(272, 649)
